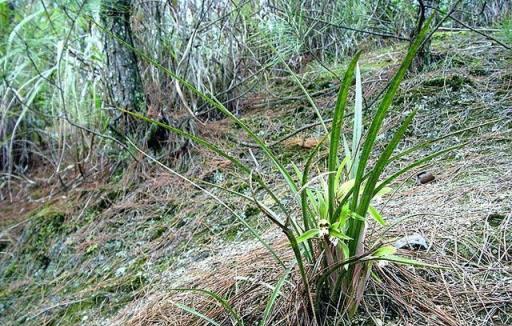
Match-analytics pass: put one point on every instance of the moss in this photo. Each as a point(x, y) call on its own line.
point(49, 212)
point(455, 82)
point(46, 225)
point(74, 313)
point(157, 233)
point(90, 215)
point(441, 38)
point(134, 282)
point(134, 279)
point(11, 269)
point(91, 249)
point(108, 198)
point(251, 211)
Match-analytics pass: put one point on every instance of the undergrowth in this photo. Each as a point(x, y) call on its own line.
point(116, 270)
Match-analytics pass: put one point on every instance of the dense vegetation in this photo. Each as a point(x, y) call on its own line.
point(243, 162)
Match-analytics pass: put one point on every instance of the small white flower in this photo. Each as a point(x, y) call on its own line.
point(323, 225)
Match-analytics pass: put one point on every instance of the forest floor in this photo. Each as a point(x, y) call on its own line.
point(114, 248)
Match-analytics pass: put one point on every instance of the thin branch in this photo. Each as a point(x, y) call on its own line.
point(401, 38)
point(478, 31)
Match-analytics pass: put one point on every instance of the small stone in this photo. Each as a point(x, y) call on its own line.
point(424, 177)
point(413, 242)
point(121, 271)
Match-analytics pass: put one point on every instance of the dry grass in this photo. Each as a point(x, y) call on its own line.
point(474, 287)
point(465, 215)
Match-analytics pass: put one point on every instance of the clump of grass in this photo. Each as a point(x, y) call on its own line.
point(506, 29)
point(329, 240)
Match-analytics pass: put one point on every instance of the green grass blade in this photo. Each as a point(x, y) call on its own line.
point(381, 164)
point(271, 302)
point(311, 233)
point(305, 210)
point(303, 89)
point(199, 140)
point(203, 142)
point(382, 110)
point(417, 163)
point(374, 175)
point(391, 178)
point(16, 31)
point(223, 302)
point(197, 314)
point(376, 215)
point(242, 220)
point(304, 182)
point(358, 124)
point(337, 123)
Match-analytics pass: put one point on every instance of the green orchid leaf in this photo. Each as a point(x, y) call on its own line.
point(376, 215)
point(338, 234)
point(345, 250)
point(408, 261)
point(357, 217)
point(385, 251)
point(311, 233)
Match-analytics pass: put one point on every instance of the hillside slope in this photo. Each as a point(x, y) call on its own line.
point(112, 249)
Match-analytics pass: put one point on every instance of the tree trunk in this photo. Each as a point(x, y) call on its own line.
point(424, 56)
point(125, 86)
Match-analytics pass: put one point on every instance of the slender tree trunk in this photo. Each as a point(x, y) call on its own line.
point(125, 86)
point(424, 56)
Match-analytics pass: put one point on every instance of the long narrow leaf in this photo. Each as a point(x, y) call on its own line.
point(417, 163)
point(223, 302)
point(382, 110)
point(242, 220)
point(197, 314)
point(358, 124)
point(311, 233)
point(376, 215)
point(205, 143)
point(199, 140)
point(366, 197)
point(381, 164)
point(303, 89)
point(337, 123)
point(271, 302)
point(306, 211)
